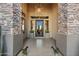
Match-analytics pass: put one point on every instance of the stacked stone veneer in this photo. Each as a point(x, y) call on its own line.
point(68, 18)
point(10, 25)
point(61, 35)
point(16, 19)
point(73, 29)
point(62, 18)
point(17, 29)
point(73, 18)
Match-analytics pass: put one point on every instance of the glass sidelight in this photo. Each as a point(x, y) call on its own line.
point(39, 28)
point(46, 26)
point(32, 26)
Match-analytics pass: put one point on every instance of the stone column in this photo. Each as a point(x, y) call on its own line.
point(61, 36)
point(17, 29)
point(10, 22)
point(6, 14)
point(73, 29)
point(62, 18)
point(69, 25)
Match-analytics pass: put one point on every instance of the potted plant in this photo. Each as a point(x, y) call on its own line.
point(32, 33)
point(47, 33)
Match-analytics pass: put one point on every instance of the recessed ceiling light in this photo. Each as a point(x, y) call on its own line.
point(39, 9)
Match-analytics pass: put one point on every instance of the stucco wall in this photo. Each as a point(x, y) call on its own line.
point(24, 10)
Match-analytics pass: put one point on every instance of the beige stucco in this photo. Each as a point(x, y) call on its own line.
point(24, 9)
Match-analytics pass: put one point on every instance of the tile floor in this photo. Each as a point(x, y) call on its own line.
point(39, 47)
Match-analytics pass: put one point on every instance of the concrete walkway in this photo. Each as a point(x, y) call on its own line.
point(39, 47)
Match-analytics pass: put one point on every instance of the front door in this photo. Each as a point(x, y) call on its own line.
point(39, 28)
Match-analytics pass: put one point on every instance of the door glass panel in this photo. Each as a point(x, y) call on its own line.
point(39, 28)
